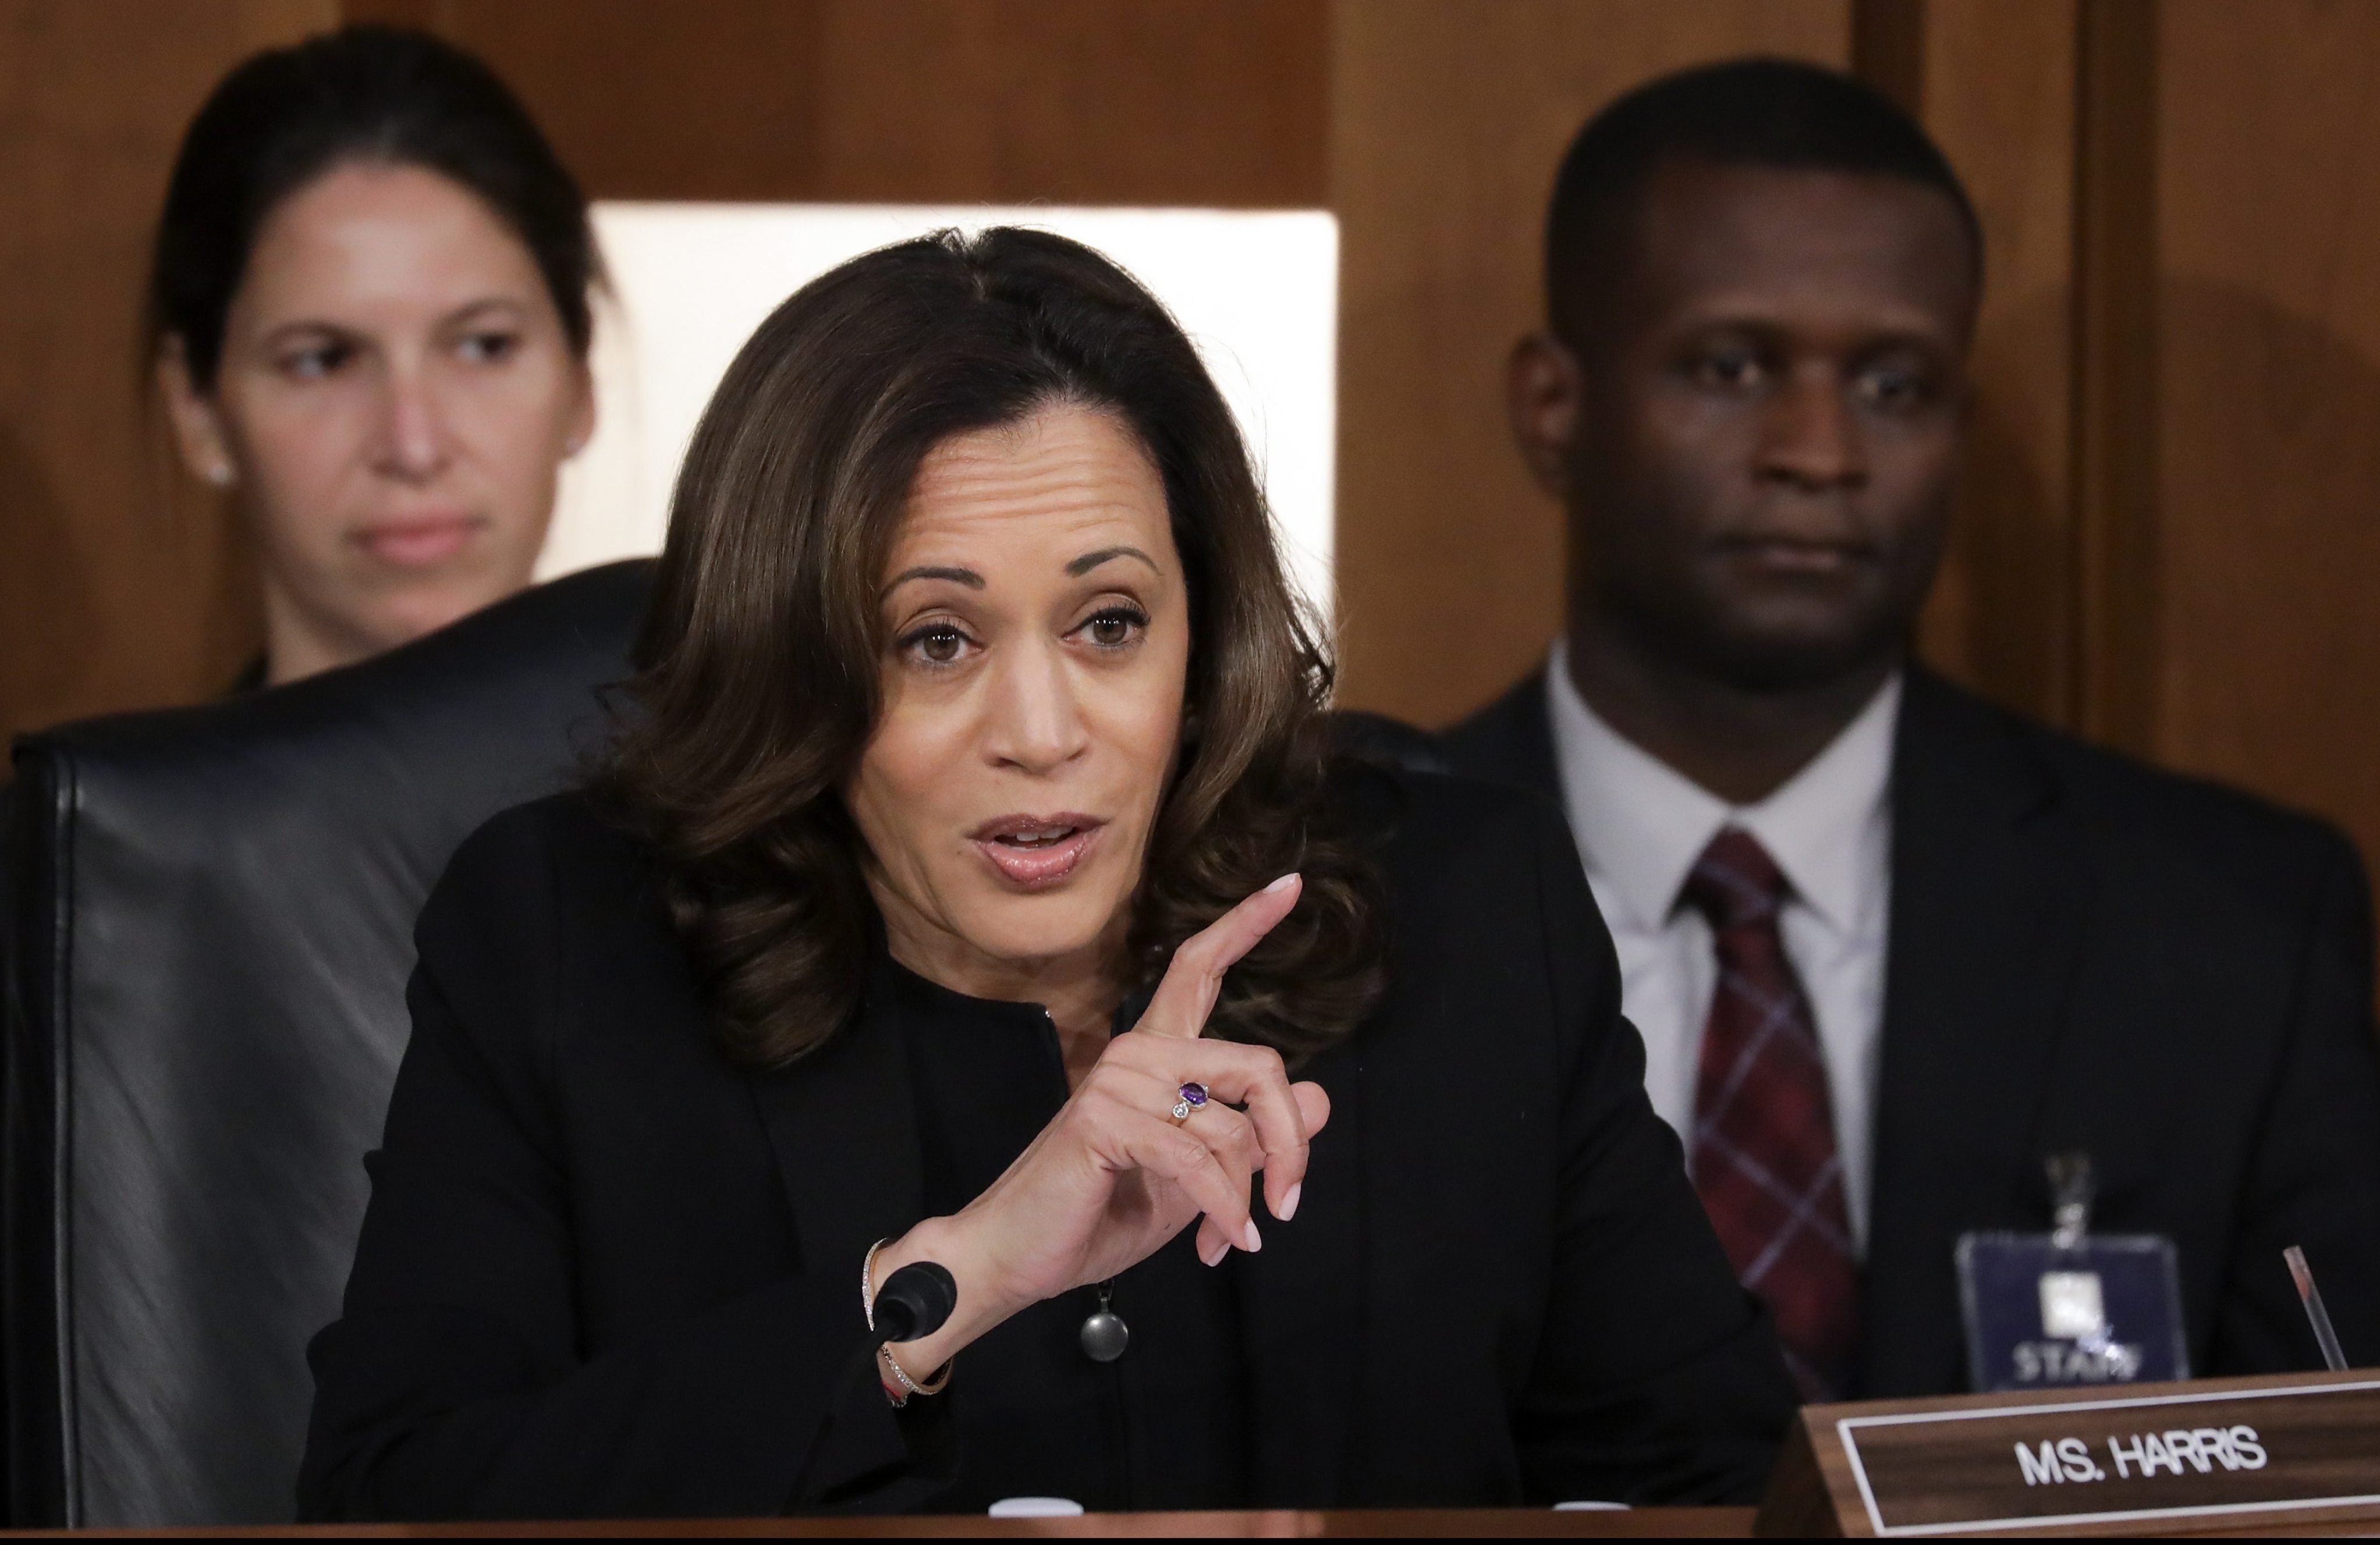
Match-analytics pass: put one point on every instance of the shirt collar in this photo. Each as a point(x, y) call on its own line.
point(1640, 824)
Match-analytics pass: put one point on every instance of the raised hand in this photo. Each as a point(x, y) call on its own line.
point(1113, 1176)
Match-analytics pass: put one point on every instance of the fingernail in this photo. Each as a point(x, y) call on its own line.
point(1283, 884)
point(1214, 1256)
point(1252, 1241)
point(1288, 1208)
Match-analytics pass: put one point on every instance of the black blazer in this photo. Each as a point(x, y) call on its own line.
point(2086, 953)
point(604, 1271)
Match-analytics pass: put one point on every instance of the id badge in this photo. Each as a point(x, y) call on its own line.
point(2065, 1307)
point(2043, 1314)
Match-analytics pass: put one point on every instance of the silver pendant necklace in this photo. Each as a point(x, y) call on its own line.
point(1105, 1334)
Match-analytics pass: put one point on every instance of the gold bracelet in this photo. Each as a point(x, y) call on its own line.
point(890, 1364)
point(885, 1361)
point(868, 1282)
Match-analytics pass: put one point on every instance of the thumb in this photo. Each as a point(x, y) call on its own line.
point(1313, 1105)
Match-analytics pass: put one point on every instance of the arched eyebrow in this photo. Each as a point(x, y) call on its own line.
point(1090, 561)
point(967, 577)
point(471, 311)
point(975, 581)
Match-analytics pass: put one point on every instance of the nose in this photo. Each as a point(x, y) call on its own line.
point(1810, 437)
point(1034, 723)
point(414, 445)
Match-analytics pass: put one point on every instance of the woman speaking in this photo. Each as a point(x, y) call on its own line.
point(972, 884)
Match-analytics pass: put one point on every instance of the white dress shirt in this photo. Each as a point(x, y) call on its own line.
point(1641, 825)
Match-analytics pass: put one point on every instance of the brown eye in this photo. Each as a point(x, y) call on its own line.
point(1114, 628)
point(489, 348)
point(314, 362)
point(935, 644)
point(1887, 387)
point(1729, 370)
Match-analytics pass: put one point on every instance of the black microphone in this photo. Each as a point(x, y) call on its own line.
point(915, 1300)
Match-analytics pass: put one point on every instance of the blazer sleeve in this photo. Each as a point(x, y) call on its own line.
point(2314, 1178)
point(1658, 1378)
point(453, 1385)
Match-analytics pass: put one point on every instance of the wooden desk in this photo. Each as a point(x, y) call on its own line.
point(1643, 1524)
point(1652, 1523)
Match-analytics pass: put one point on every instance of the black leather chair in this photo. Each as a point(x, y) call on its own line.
point(209, 931)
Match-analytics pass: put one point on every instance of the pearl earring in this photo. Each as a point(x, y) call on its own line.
point(220, 475)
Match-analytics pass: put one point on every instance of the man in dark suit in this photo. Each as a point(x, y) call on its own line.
point(1891, 947)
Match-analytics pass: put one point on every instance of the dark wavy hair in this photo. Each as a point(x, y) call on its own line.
point(757, 684)
point(378, 95)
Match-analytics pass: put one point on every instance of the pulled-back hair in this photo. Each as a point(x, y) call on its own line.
point(376, 96)
point(756, 685)
point(1757, 111)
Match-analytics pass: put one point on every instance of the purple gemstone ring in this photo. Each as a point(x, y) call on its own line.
point(1193, 1095)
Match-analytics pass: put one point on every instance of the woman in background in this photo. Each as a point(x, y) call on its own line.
point(370, 315)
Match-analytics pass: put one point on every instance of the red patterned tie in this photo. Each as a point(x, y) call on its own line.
point(1763, 1154)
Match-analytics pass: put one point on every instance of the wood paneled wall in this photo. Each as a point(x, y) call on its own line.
point(2172, 520)
point(119, 584)
point(2170, 510)
point(2262, 657)
point(1994, 83)
point(1104, 101)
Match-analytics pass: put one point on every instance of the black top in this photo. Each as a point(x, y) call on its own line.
point(2086, 953)
point(606, 1272)
point(1159, 1428)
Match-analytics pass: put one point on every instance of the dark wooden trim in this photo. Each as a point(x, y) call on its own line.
point(2115, 402)
point(1889, 50)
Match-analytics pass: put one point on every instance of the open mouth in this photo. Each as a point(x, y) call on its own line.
point(1035, 851)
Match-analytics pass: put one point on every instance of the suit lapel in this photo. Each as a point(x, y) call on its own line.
point(1303, 1312)
point(843, 1124)
point(1988, 917)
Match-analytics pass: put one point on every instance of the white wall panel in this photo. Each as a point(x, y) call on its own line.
point(1258, 292)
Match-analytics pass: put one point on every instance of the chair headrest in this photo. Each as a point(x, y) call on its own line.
point(210, 936)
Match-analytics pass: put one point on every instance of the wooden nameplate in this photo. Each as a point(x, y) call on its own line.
point(2279, 1453)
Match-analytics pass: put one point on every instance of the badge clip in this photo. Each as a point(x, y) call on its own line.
point(2069, 1307)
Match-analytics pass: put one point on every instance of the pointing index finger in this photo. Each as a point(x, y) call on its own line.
point(1195, 978)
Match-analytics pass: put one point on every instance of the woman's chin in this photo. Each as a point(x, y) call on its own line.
point(1030, 929)
point(406, 613)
